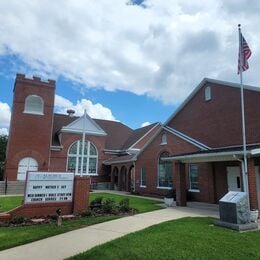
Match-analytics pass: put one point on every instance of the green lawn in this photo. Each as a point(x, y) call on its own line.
point(187, 238)
point(10, 202)
point(140, 204)
point(13, 236)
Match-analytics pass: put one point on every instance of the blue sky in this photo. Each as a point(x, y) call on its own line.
point(129, 62)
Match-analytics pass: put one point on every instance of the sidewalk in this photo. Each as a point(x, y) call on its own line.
point(74, 242)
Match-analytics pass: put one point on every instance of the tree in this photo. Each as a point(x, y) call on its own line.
point(3, 145)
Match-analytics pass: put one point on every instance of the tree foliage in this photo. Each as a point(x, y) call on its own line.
point(3, 144)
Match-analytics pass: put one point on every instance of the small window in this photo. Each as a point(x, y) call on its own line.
point(207, 93)
point(194, 179)
point(143, 177)
point(34, 105)
point(164, 138)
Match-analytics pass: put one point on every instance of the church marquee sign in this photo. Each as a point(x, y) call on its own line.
point(46, 187)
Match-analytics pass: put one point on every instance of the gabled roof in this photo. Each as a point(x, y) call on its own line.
point(117, 133)
point(119, 137)
point(137, 135)
point(84, 124)
point(201, 84)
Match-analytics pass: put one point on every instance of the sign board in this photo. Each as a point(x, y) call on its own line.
point(233, 196)
point(46, 187)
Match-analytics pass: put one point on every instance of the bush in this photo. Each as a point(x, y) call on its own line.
point(18, 220)
point(124, 205)
point(108, 206)
point(96, 203)
point(86, 213)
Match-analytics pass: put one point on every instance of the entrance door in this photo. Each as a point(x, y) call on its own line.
point(234, 178)
point(257, 174)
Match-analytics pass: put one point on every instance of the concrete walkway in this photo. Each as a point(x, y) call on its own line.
point(74, 242)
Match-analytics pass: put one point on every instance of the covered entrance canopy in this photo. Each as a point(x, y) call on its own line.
point(219, 171)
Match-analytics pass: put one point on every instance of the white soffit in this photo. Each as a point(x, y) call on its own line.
point(84, 124)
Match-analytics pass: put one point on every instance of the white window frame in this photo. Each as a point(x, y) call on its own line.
point(29, 110)
point(158, 171)
point(207, 93)
point(87, 156)
point(143, 171)
point(163, 139)
point(191, 189)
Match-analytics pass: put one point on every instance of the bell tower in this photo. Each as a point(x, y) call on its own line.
point(30, 131)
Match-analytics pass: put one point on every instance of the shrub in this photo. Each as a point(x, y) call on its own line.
point(96, 203)
point(108, 205)
point(18, 220)
point(86, 213)
point(124, 205)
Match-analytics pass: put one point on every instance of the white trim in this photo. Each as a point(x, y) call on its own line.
point(187, 138)
point(143, 186)
point(201, 84)
point(56, 148)
point(203, 155)
point(33, 113)
point(193, 190)
point(76, 131)
point(143, 136)
point(164, 188)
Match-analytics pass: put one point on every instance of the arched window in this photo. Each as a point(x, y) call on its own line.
point(164, 172)
point(34, 105)
point(26, 164)
point(164, 138)
point(90, 158)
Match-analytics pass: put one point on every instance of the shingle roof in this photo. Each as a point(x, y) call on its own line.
point(119, 136)
point(117, 133)
point(120, 159)
point(136, 135)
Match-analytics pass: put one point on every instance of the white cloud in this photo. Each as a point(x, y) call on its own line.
point(5, 116)
point(163, 50)
point(145, 124)
point(93, 110)
point(3, 131)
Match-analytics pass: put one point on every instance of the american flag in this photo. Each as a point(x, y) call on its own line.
point(245, 55)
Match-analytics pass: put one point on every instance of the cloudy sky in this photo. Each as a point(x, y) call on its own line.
point(129, 61)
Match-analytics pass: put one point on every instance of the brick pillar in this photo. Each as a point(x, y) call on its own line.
point(252, 184)
point(112, 179)
point(80, 194)
point(127, 182)
point(120, 180)
point(180, 178)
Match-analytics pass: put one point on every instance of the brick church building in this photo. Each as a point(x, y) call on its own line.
point(197, 150)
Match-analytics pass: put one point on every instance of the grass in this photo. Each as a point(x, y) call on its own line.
point(14, 236)
point(10, 202)
point(186, 238)
point(140, 204)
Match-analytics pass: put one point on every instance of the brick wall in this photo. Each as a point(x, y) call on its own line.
point(217, 122)
point(149, 159)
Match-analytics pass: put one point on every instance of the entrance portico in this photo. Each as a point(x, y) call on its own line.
point(214, 173)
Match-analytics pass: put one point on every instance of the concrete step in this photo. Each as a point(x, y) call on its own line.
point(13, 187)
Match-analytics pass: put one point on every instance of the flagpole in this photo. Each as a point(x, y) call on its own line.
point(244, 165)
